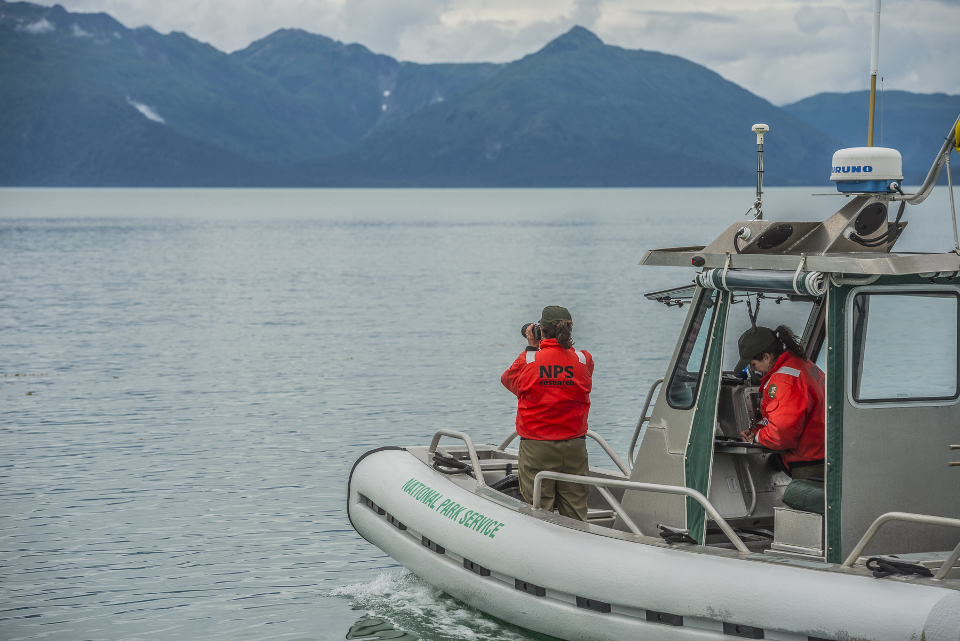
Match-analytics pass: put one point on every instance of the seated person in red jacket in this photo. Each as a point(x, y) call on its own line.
point(552, 383)
point(792, 407)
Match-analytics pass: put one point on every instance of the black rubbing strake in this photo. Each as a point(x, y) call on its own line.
point(392, 520)
point(745, 631)
point(373, 506)
point(354, 468)
point(475, 567)
point(664, 618)
point(590, 604)
point(436, 547)
point(529, 588)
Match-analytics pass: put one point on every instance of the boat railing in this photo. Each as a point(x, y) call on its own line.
point(925, 519)
point(471, 451)
point(599, 439)
point(507, 441)
point(603, 484)
point(643, 419)
point(943, 157)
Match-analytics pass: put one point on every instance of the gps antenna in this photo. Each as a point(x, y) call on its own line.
point(758, 205)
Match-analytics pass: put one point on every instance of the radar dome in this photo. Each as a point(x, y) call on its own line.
point(866, 169)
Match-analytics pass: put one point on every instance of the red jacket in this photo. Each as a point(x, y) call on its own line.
point(553, 391)
point(792, 402)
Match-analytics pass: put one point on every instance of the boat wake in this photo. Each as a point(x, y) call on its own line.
point(422, 611)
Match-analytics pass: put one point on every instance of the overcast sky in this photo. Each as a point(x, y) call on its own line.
point(782, 50)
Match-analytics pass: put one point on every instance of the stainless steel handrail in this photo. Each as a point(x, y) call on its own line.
point(471, 450)
point(643, 419)
point(609, 450)
point(633, 485)
point(599, 439)
point(507, 441)
point(934, 173)
point(924, 519)
point(948, 564)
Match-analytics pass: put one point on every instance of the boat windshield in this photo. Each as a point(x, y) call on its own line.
point(793, 314)
point(682, 389)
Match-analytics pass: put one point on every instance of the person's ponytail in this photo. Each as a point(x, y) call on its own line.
point(562, 330)
point(789, 341)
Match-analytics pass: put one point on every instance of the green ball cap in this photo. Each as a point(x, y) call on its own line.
point(753, 343)
point(554, 313)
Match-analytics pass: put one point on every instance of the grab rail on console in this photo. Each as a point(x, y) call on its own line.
point(643, 419)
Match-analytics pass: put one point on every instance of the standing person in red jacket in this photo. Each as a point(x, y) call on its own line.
point(552, 382)
point(792, 405)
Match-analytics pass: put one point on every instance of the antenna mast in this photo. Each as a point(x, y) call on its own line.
point(758, 205)
point(874, 64)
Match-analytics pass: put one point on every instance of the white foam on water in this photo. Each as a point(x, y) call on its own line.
point(407, 601)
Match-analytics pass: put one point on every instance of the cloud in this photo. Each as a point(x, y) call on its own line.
point(783, 50)
point(148, 112)
point(78, 32)
point(811, 19)
point(394, 19)
point(678, 22)
point(495, 30)
point(40, 26)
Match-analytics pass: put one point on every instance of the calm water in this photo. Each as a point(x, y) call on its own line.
point(188, 376)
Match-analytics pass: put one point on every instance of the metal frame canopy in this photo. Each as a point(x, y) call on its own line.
point(867, 264)
point(858, 239)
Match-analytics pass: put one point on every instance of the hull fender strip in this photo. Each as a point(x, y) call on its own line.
point(350, 478)
point(664, 618)
point(476, 567)
point(392, 520)
point(373, 506)
point(529, 588)
point(591, 604)
point(744, 631)
point(436, 547)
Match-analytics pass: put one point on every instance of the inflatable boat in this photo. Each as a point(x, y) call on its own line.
point(689, 537)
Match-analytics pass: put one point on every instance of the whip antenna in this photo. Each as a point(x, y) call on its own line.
point(874, 64)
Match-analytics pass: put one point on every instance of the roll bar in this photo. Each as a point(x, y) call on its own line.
point(602, 484)
point(925, 519)
point(599, 439)
point(471, 450)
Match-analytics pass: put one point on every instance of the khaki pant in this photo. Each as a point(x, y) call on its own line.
point(569, 457)
point(800, 473)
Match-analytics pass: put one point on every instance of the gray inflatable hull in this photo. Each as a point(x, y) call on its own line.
point(621, 580)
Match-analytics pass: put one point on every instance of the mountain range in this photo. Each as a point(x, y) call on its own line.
point(89, 102)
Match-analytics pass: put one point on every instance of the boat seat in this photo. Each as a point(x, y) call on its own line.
point(805, 495)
